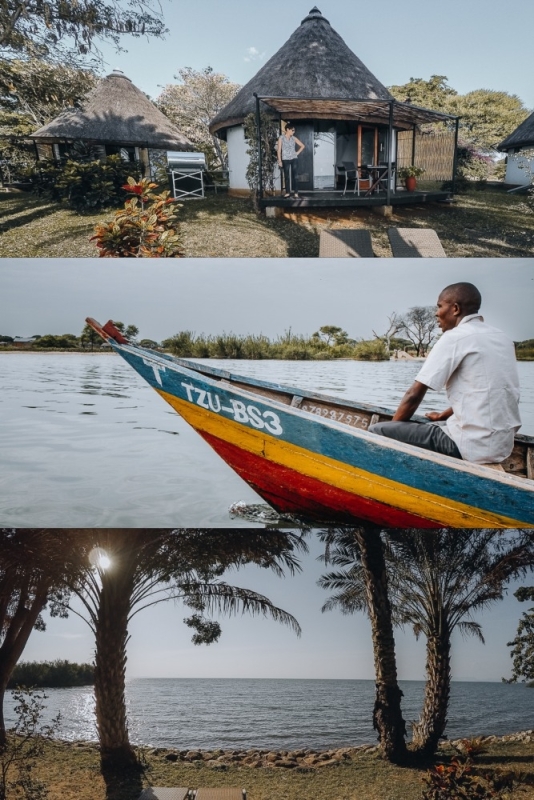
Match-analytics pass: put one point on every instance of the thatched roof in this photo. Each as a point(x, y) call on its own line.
point(115, 112)
point(315, 62)
point(523, 136)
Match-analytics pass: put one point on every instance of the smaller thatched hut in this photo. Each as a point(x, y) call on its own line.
point(115, 118)
point(519, 147)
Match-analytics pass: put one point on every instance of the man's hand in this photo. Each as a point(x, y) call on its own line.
point(438, 416)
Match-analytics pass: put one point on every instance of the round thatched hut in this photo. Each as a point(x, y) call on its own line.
point(519, 147)
point(341, 110)
point(115, 118)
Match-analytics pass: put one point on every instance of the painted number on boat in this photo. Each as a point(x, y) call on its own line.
point(241, 412)
point(340, 416)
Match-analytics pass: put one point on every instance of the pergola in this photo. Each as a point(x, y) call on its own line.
point(394, 114)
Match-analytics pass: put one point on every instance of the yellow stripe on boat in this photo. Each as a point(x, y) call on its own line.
point(442, 510)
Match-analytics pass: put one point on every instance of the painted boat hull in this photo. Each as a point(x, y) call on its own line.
point(323, 469)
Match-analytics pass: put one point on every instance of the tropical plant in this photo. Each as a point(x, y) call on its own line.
point(193, 103)
point(361, 549)
point(129, 570)
point(145, 228)
point(411, 171)
point(437, 579)
point(522, 645)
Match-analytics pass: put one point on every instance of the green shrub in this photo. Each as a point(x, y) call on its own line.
point(85, 185)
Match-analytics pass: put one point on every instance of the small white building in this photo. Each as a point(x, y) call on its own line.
point(519, 149)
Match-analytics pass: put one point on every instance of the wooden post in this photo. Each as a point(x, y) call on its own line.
point(260, 161)
point(390, 153)
point(414, 130)
point(455, 159)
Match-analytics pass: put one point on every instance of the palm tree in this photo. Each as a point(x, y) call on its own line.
point(437, 580)
point(372, 589)
point(131, 570)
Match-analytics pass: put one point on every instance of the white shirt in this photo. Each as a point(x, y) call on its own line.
point(476, 365)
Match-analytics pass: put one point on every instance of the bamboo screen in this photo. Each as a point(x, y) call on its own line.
point(433, 151)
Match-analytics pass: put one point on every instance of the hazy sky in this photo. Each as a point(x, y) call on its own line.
point(331, 646)
point(476, 44)
point(266, 296)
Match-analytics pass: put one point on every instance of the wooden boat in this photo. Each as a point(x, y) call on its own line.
point(311, 455)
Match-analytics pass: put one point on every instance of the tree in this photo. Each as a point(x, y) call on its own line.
point(193, 103)
point(487, 116)
point(370, 593)
point(331, 335)
point(437, 579)
point(419, 326)
point(32, 92)
point(522, 646)
point(129, 331)
point(63, 31)
point(33, 573)
point(395, 325)
point(130, 570)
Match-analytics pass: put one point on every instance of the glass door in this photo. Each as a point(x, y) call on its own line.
point(324, 157)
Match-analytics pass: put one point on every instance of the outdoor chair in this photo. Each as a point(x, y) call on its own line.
point(415, 243)
point(161, 793)
point(351, 172)
point(218, 179)
point(221, 793)
point(345, 243)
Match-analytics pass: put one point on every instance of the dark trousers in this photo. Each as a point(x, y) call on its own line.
point(420, 434)
point(290, 175)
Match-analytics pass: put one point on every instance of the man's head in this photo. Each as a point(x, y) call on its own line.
point(456, 302)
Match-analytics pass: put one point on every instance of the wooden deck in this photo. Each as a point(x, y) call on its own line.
point(350, 200)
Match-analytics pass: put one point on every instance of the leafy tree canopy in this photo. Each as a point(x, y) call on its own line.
point(487, 116)
point(64, 31)
point(522, 646)
point(193, 102)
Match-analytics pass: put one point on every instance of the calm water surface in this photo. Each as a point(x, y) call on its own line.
point(85, 442)
point(282, 714)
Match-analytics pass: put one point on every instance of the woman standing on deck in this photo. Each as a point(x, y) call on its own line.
point(287, 158)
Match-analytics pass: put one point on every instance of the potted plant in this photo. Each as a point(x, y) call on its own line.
point(409, 176)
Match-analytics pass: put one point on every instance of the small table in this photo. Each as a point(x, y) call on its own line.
point(379, 173)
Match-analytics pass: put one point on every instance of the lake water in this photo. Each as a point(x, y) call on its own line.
point(85, 442)
point(281, 714)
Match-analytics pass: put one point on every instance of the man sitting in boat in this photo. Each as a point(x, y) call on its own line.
point(475, 364)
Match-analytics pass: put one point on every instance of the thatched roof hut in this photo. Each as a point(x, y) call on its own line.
point(523, 136)
point(315, 62)
point(519, 146)
point(115, 114)
point(342, 114)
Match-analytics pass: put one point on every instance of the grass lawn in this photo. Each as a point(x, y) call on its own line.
point(479, 224)
point(72, 772)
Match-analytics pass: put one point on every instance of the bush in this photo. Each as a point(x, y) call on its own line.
point(374, 350)
point(145, 228)
point(84, 185)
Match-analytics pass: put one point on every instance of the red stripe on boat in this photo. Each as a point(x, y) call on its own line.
point(290, 492)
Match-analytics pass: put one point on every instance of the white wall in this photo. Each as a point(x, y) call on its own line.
point(237, 157)
point(515, 173)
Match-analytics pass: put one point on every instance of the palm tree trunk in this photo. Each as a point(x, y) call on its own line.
point(387, 714)
point(433, 720)
point(111, 638)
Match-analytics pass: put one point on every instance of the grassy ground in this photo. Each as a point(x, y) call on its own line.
point(479, 224)
point(71, 772)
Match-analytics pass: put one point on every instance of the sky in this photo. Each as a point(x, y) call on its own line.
point(479, 44)
point(269, 296)
point(332, 646)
